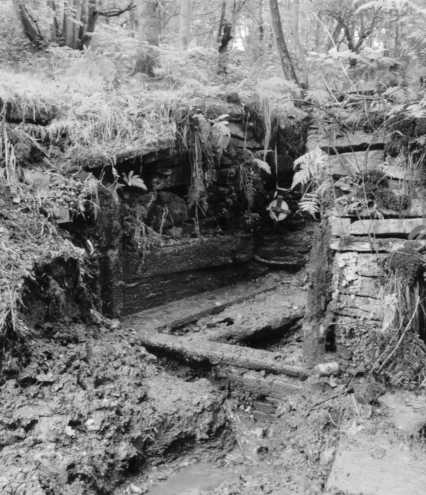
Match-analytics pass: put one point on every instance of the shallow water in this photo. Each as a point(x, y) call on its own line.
point(192, 480)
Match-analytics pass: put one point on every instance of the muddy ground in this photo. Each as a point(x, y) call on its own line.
point(93, 408)
point(94, 413)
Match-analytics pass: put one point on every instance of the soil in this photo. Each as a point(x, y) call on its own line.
point(93, 406)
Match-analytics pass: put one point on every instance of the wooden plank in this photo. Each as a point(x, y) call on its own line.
point(387, 227)
point(190, 309)
point(201, 352)
point(151, 292)
point(187, 256)
point(263, 317)
point(373, 245)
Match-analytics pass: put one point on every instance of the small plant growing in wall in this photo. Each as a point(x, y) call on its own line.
point(134, 180)
point(312, 177)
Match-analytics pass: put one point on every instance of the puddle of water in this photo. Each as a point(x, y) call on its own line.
point(192, 480)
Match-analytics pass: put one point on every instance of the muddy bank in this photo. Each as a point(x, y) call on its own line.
point(93, 407)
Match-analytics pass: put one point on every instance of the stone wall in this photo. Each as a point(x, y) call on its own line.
point(362, 298)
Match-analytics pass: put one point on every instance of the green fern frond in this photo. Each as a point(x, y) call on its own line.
point(311, 168)
point(310, 203)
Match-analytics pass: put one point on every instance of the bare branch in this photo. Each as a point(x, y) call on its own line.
point(117, 12)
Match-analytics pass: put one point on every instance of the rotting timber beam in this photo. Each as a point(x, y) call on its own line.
point(197, 351)
point(271, 328)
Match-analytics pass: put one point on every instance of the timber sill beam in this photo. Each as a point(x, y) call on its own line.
point(197, 351)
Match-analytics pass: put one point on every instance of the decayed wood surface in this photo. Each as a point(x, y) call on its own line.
point(191, 309)
point(268, 328)
point(205, 352)
point(262, 318)
point(192, 255)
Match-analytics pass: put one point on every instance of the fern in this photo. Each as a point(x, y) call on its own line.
point(312, 168)
point(220, 135)
point(134, 180)
point(310, 203)
point(262, 165)
point(312, 175)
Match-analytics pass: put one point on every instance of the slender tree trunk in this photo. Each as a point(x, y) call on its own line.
point(185, 22)
point(224, 47)
point(286, 62)
point(317, 35)
point(149, 36)
point(397, 40)
point(297, 26)
point(29, 25)
point(224, 38)
point(221, 21)
point(90, 23)
point(261, 24)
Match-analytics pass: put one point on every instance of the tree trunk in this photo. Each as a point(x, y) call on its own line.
point(224, 37)
point(221, 21)
point(297, 27)
point(89, 28)
point(78, 24)
point(29, 25)
point(286, 62)
point(224, 48)
point(149, 36)
point(185, 22)
point(204, 352)
point(261, 24)
point(69, 24)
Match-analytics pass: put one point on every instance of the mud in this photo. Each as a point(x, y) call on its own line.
point(277, 451)
point(93, 407)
